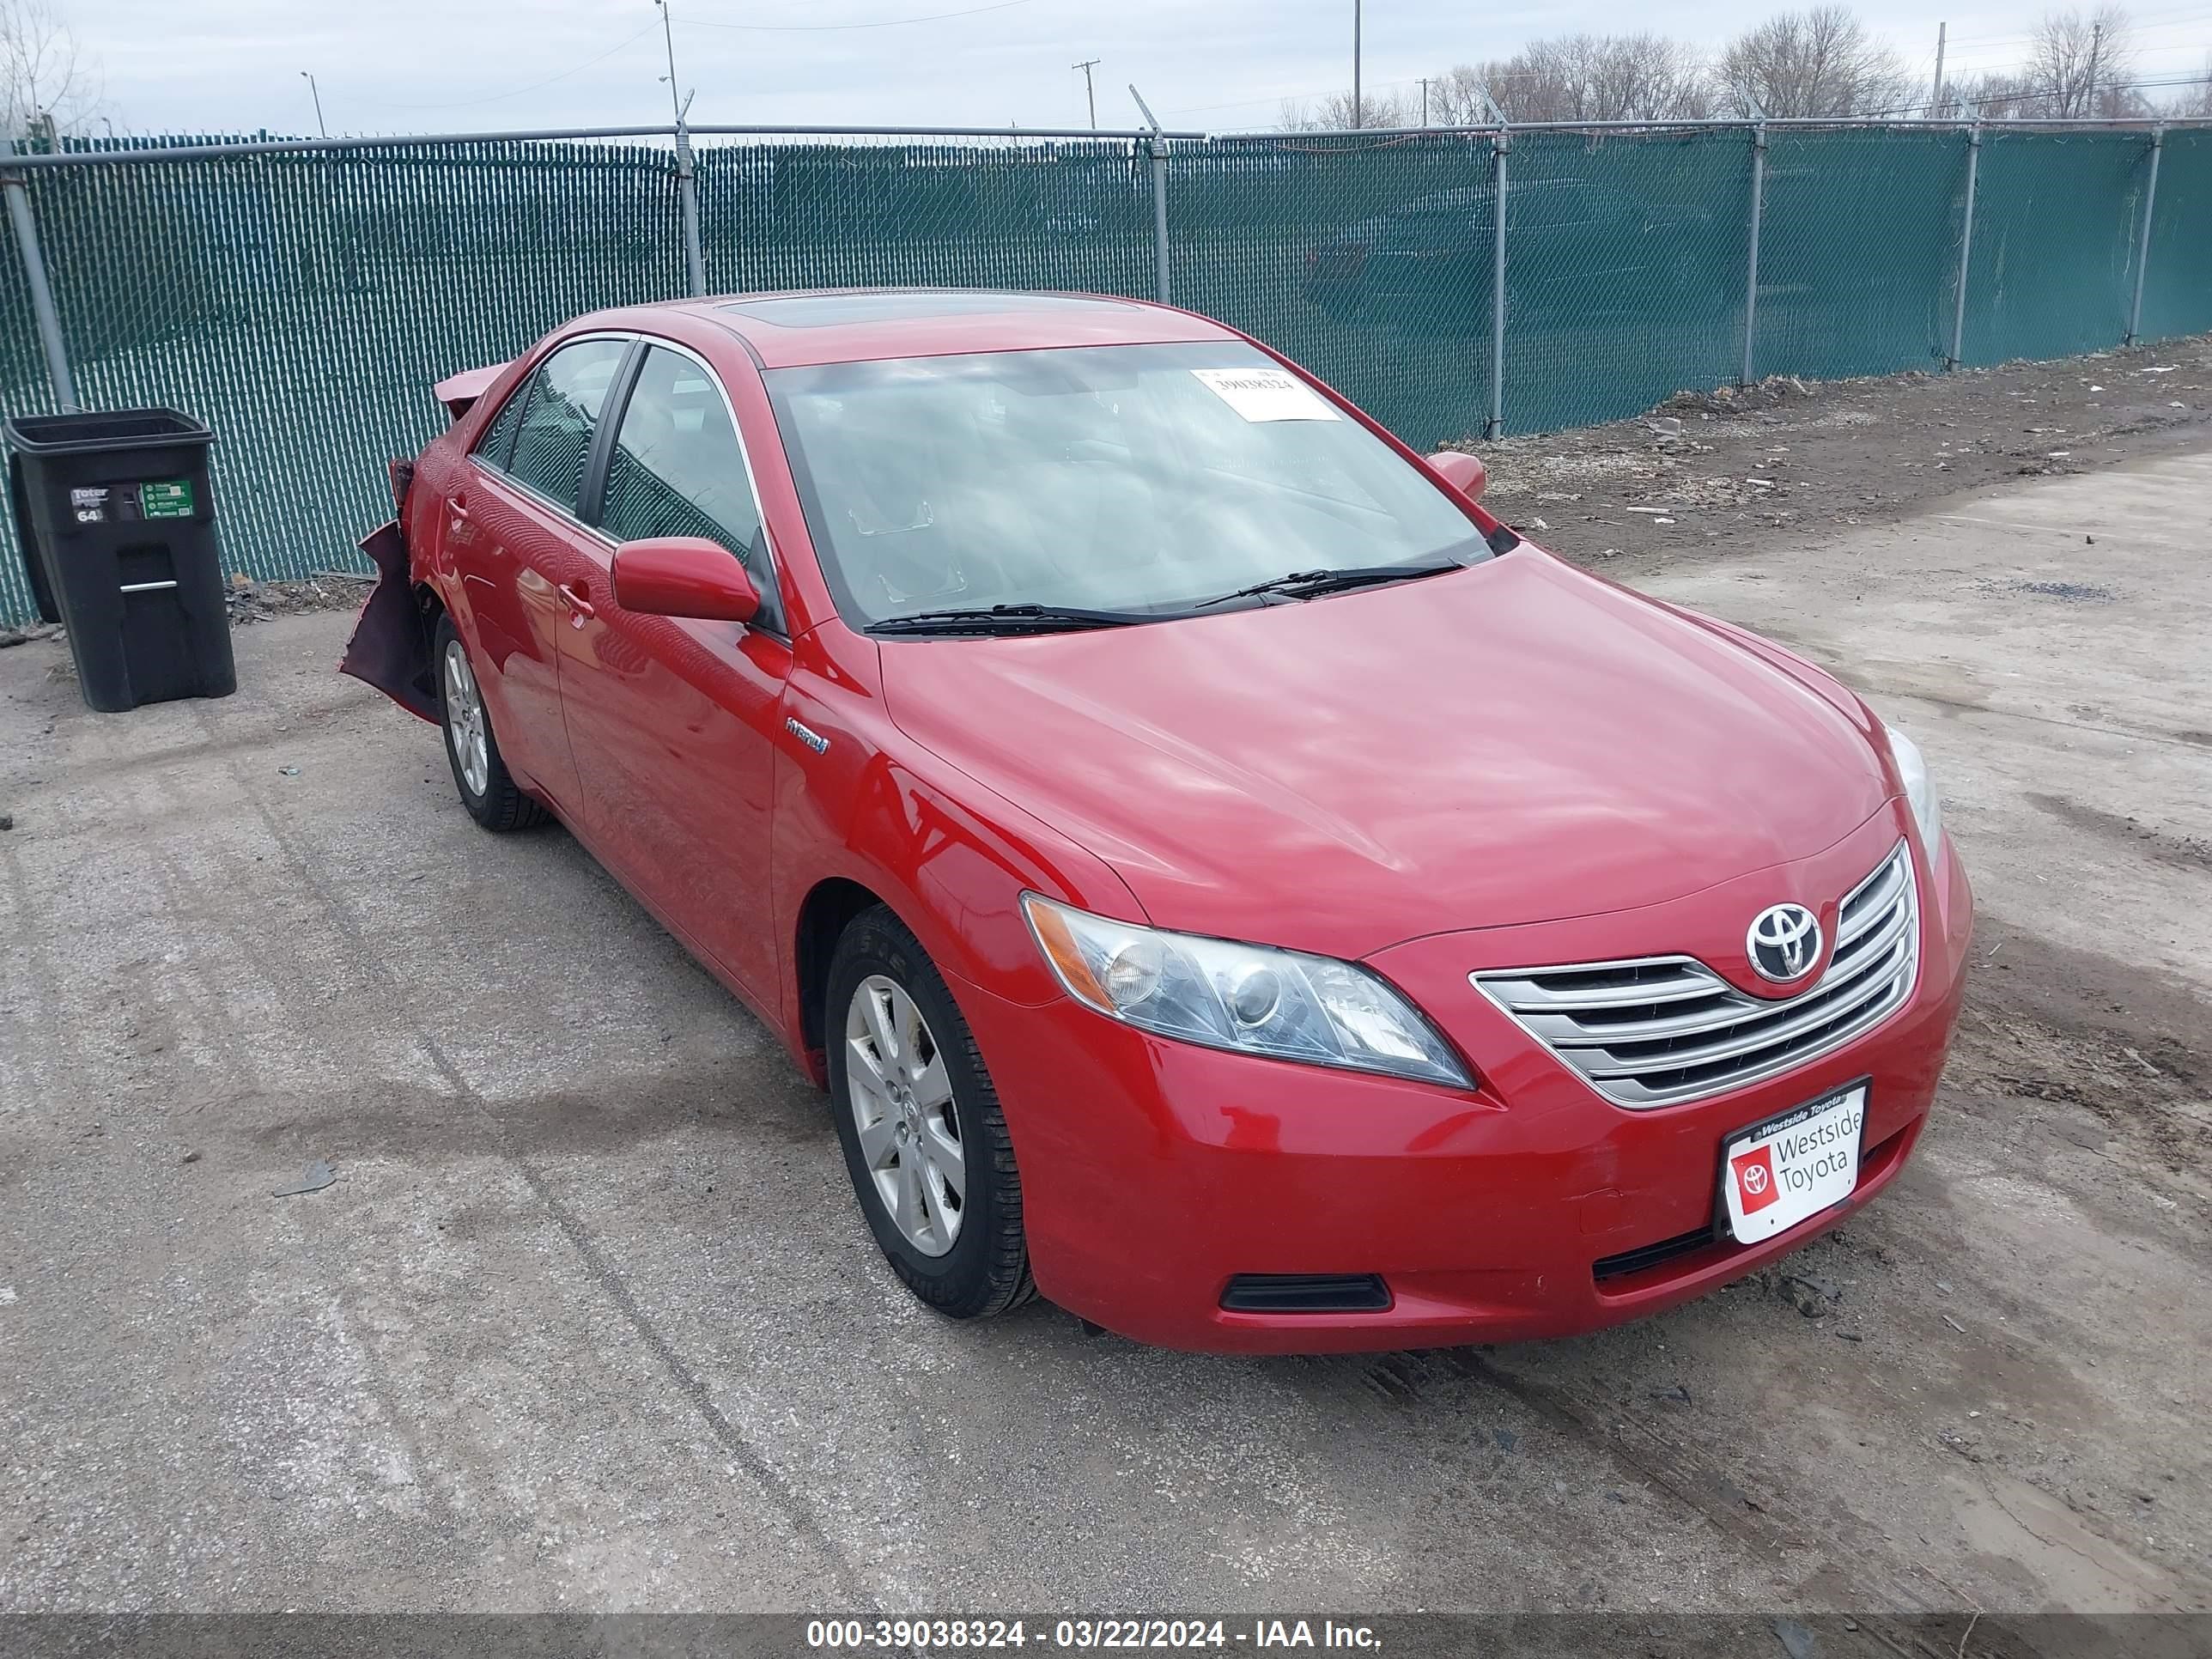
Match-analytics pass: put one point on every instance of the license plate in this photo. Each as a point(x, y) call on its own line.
point(1779, 1172)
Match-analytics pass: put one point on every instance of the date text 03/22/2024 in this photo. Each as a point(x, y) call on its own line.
point(1083, 1634)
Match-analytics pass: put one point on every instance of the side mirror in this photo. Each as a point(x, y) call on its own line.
point(1462, 471)
point(684, 577)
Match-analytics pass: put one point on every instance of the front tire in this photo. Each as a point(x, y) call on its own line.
point(925, 1141)
point(491, 796)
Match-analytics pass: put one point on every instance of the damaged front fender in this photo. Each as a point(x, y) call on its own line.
point(391, 645)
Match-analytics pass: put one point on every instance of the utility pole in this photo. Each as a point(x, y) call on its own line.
point(1424, 100)
point(317, 93)
point(687, 172)
point(1935, 105)
point(668, 39)
point(2096, 46)
point(1090, 92)
point(1357, 119)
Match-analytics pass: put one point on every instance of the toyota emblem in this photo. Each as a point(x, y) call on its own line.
point(1785, 942)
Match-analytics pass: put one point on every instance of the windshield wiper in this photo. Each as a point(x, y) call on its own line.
point(1311, 584)
point(1009, 619)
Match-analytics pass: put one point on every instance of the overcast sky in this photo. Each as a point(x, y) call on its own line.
point(473, 66)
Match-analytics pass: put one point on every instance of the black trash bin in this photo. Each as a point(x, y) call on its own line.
point(118, 529)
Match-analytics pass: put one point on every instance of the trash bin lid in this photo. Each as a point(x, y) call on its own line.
point(88, 432)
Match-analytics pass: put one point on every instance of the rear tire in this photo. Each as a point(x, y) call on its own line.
point(491, 796)
point(925, 1141)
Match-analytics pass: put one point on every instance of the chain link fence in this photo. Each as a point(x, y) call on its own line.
point(301, 297)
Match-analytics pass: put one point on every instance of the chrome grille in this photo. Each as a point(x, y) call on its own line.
point(1663, 1030)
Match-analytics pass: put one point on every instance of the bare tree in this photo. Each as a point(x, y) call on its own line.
point(1334, 112)
point(1455, 96)
point(2197, 100)
point(2082, 65)
point(1638, 77)
point(1995, 97)
point(44, 75)
point(1580, 77)
point(1611, 77)
point(1812, 64)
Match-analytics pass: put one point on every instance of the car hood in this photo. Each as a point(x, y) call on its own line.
point(1517, 742)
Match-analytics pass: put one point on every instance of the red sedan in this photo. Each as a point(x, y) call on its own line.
point(1229, 881)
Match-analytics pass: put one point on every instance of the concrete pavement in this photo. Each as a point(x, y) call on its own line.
point(589, 1320)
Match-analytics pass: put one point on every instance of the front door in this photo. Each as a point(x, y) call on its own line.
point(673, 722)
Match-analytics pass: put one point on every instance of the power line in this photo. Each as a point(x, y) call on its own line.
point(1283, 97)
point(2181, 15)
point(2185, 18)
point(494, 98)
point(831, 29)
point(2025, 93)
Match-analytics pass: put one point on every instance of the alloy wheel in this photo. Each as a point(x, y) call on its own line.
point(465, 720)
point(901, 1098)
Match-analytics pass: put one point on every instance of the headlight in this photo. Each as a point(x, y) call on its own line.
point(1919, 787)
point(1244, 997)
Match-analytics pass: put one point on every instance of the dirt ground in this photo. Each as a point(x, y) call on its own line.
point(1732, 470)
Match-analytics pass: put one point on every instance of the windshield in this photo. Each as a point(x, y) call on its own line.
point(1147, 479)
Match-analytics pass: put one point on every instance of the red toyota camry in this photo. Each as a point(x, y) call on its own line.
point(1229, 881)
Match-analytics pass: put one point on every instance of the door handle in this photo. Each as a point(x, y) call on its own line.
point(577, 603)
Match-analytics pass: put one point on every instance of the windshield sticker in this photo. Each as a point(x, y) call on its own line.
point(1266, 394)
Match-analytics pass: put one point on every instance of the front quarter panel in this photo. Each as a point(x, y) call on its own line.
point(949, 857)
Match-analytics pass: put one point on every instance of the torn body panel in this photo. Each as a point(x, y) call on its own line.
point(458, 392)
point(391, 645)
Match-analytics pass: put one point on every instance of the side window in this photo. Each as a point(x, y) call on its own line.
point(553, 439)
point(676, 470)
point(498, 440)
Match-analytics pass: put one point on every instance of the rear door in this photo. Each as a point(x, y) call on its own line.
point(526, 560)
point(674, 722)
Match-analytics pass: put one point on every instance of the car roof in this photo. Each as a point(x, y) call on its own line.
point(861, 325)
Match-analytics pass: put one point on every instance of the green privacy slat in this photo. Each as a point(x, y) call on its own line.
point(2055, 236)
point(303, 304)
point(1060, 216)
point(1365, 259)
point(22, 391)
point(1859, 251)
point(1624, 272)
point(2178, 275)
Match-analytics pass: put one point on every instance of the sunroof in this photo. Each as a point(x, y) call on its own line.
point(829, 310)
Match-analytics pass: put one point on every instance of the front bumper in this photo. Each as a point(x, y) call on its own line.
point(1154, 1172)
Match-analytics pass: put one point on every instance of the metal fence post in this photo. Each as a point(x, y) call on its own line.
point(2142, 244)
point(1965, 247)
point(1159, 197)
point(1501, 141)
point(687, 196)
point(1751, 276)
point(35, 274)
point(1160, 212)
